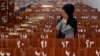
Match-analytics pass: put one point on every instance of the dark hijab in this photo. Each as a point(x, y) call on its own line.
point(69, 10)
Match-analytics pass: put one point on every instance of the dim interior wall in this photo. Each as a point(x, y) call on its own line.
point(23, 3)
point(92, 3)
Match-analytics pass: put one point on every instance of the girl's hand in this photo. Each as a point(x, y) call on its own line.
point(64, 21)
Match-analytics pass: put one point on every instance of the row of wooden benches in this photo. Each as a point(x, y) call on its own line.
point(49, 43)
point(50, 52)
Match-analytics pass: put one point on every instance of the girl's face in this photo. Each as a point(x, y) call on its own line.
point(64, 14)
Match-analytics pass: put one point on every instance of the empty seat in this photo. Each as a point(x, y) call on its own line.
point(88, 43)
point(65, 43)
point(39, 52)
point(43, 43)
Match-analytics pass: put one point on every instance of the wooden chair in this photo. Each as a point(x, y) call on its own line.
point(88, 43)
point(43, 43)
point(1, 43)
point(65, 43)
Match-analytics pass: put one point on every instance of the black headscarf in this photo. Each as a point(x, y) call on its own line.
point(69, 10)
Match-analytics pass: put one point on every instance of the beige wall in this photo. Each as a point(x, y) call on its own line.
point(98, 5)
point(23, 3)
point(92, 3)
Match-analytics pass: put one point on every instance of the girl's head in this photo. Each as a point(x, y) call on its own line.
point(68, 9)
